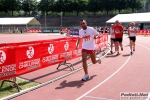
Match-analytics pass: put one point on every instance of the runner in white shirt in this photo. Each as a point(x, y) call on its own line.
point(132, 35)
point(88, 34)
point(112, 38)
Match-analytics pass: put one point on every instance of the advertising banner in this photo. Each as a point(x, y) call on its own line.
point(51, 50)
point(28, 56)
point(20, 58)
point(7, 61)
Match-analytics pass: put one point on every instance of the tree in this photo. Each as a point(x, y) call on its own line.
point(107, 5)
point(135, 4)
point(64, 6)
point(147, 5)
point(119, 5)
point(11, 5)
point(46, 5)
point(79, 5)
point(94, 6)
point(1, 6)
point(29, 5)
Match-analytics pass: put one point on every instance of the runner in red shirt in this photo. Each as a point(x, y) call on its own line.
point(118, 30)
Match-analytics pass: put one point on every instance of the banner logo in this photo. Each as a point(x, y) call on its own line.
point(30, 52)
point(51, 48)
point(66, 46)
point(2, 57)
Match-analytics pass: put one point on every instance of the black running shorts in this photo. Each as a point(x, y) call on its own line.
point(118, 40)
point(133, 38)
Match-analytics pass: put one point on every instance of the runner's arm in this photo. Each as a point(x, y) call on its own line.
point(96, 34)
point(135, 30)
point(122, 29)
point(128, 31)
point(78, 42)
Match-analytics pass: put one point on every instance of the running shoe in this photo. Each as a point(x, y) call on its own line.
point(131, 53)
point(133, 49)
point(122, 49)
point(111, 52)
point(99, 59)
point(118, 54)
point(86, 77)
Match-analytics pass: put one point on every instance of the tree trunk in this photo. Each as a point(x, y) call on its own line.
point(12, 13)
point(94, 13)
point(63, 13)
point(119, 11)
point(77, 13)
point(132, 10)
point(107, 12)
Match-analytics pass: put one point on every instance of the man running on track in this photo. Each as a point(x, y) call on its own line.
point(118, 30)
point(132, 35)
point(88, 34)
point(112, 37)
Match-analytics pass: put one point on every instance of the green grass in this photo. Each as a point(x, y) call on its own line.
point(7, 90)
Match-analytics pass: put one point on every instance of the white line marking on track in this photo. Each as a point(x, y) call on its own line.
point(148, 98)
point(93, 97)
point(145, 42)
point(143, 46)
point(105, 79)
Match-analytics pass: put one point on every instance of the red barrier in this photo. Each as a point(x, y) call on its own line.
point(39, 31)
point(34, 31)
point(28, 56)
point(20, 58)
point(7, 61)
point(143, 32)
point(147, 32)
point(101, 41)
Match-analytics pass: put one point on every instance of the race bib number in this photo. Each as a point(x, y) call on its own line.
point(132, 31)
point(87, 39)
point(117, 31)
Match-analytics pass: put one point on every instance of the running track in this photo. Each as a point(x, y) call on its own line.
point(116, 74)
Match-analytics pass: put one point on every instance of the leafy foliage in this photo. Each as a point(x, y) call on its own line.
point(70, 6)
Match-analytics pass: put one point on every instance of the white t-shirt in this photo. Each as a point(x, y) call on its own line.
point(88, 38)
point(132, 31)
point(112, 35)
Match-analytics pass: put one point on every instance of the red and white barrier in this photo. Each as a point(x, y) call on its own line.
point(143, 32)
point(20, 58)
point(34, 31)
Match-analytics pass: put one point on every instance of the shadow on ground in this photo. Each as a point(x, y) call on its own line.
point(77, 83)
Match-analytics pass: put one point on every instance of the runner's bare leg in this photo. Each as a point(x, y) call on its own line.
point(93, 58)
point(84, 62)
point(112, 42)
point(117, 47)
point(120, 43)
point(131, 43)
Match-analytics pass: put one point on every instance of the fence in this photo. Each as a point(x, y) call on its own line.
point(20, 58)
point(143, 32)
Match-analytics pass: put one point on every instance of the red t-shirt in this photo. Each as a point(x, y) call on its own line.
point(118, 29)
